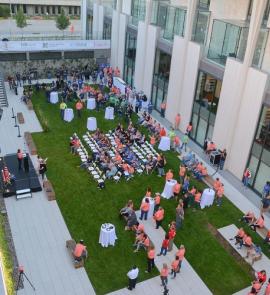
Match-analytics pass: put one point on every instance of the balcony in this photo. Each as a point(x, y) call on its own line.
point(228, 39)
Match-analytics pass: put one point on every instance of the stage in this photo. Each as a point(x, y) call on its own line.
point(22, 180)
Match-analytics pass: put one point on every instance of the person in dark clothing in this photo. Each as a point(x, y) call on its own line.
point(42, 169)
point(26, 163)
point(19, 157)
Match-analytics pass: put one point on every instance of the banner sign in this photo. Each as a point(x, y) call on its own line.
point(53, 45)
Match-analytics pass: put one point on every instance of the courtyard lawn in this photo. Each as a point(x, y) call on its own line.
point(85, 208)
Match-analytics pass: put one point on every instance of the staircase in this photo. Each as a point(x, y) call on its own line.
point(3, 95)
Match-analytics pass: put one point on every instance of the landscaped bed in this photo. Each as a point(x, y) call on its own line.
point(85, 208)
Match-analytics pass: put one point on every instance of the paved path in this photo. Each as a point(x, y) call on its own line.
point(3, 290)
point(38, 228)
point(187, 282)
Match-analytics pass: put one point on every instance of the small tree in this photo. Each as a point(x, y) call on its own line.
point(62, 21)
point(4, 11)
point(20, 19)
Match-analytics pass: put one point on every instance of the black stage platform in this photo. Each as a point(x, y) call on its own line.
point(23, 180)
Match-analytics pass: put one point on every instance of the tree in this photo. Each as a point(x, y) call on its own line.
point(20, 19)
point(4, 11)
point(62, 21)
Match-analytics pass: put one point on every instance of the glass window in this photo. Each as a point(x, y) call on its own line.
point(160, 78)
point(138, 11)
point(24, 8)
point(75, 10)
point(107, 31)
point(48, 9)
point(260, 48)
point(227, 40)
point(36, 9)
point(53, 9)
point(174, 22)
point(259, 161)
point(70, 10)
point(59, 9)
point(205, 107)
point(200, 27)
point(42, 9)
point(130, 57)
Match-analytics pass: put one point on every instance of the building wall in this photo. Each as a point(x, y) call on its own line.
point(43, 2)
point(229, 9)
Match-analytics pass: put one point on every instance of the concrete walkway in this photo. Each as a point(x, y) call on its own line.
point(38, 228)
point(186, 282)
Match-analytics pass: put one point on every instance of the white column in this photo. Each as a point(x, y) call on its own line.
point(121, 42)
point(181, 62)
point(127, 4)
point(84, 23)
point(234, 98)
point(100, 21)
point(96, 19)
point(142, 39)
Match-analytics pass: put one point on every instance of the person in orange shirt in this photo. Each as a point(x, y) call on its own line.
point(152, 140)
point(267, 238)
point(246, 241)
point(189, 128)
point(267, 289)
point(256, 287)
point(79, 107)
point(181, 254)
point(164, 274)
point(197, 199)
point(174, 265)
point(144, 209)
point(163, 109)
point(169, 175)
point(182, 173)
point(210, 147)
point(217, 184)
point(162, 132)
point(176, 190)
point(220, 193)
point(150, 259)
point(80, 251)
point(259, 223)
point(177, 144)
point(159, 216)
point(164, 246)
point(157, 202)
point(177, 121)
point(239, 236)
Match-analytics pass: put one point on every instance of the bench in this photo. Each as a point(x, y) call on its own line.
point(71, 244)
point(29, 105)
point(29, 141)
point(49, 190)
point(20, 118)
point(262, 262)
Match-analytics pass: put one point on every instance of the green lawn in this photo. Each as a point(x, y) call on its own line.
point(5, 258)
point(85, 208)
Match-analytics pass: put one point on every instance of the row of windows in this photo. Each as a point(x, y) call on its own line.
point(43, 9)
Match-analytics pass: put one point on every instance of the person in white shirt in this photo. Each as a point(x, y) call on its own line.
point(132, 277)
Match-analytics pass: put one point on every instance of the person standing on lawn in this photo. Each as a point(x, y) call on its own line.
point(145, 206)
point(157, 202)
point(179, 218)
point(132, 277)
point(159, 216)
point(79, 107)
point(220, 193)
point(171, 234)
point(63, 106)
point(150, 259)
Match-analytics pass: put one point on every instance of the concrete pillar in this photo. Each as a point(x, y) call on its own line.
point(178, 101)
point(84, 22)
point(100, 21)
point(235, 97)
point(141, 46)
point(127, 4)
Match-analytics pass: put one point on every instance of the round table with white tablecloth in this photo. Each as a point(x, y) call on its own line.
point(207, 198)
point(91, 123)
point(164, 144)
point(91, 103)
point(109, 113)
point(54, 97)
point(107, 235)
point(68, 115)
point(152, 206)
point(168, 189)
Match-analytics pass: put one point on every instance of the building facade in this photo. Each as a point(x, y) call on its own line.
point(209, 60)
point(44, 7)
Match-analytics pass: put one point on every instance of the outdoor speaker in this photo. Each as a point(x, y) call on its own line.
point(215, 158)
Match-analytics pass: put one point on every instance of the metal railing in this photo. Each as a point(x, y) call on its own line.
point(28, 36)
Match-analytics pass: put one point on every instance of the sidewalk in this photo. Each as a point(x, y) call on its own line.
point(38, 229)
point(186, 282)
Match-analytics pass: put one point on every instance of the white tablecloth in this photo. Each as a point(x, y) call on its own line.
point(168, 189)
point(109, 113)
point(152, 206)
point(68, 115)
point(164, 144)
point(91, 123)
point(91, 103)
point(207, 198)
point(107, 235)
point(53, 97)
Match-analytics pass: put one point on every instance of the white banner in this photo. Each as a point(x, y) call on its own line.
point(53, 45)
